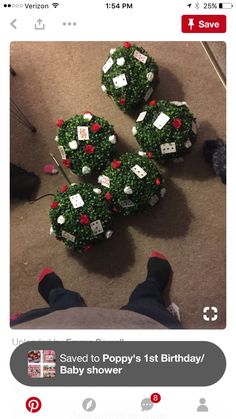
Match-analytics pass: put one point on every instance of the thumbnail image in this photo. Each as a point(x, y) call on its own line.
point(34, 357)
point(49, 356)
point(49, 372)
point(34, 371)
point(42, 363)
point(117, 186)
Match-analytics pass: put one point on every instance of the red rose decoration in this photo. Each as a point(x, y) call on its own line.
point(116, 164)
point(149, 155)
point(158, 181)
point(108, 196)
point(89, 149)
point(127, 45)
point(87, 248)
point(122, 101)
point(177, 123)
point(59, 123)
point(152, 103)
point(63, 188)
point(54, 204)
point(66, 163)
point(84, 219)
point(95, 128)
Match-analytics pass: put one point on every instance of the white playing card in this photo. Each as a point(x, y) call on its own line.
point(77, 200)
point(96, 227)
point(141, 116)
point(177, 103)
point(139, 171)
point(188, 144)
point(68, 236)
point(105, 181)
point(108, 65)
point(62, 152)
point(168, 148)
point(161, 120)
point(149, 92)
point(83, 133)
point(174, 310)
point(163, 192)
point(194, 127)
point(153, 200)
point(120, 81)
point(127, 203)
point(140, 57)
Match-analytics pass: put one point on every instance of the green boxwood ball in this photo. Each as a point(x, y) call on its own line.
point(166, 129)
point(74, 225)
point(86, 143)
point(136, 72)
point(129, 192)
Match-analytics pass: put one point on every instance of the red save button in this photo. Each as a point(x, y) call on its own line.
point(204, 23)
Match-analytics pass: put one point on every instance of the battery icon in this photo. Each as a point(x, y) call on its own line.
point(225, 5)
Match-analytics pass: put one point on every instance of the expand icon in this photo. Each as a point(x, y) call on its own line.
point(210, 314)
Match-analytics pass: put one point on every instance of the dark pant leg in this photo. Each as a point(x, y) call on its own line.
point(31, 315)
point(58, 298)
point(61, 298)
point(147, 297)
point(51, 288)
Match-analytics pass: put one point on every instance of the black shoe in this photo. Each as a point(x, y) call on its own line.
point(159, 270)
point(23, 184)
point(47, 284)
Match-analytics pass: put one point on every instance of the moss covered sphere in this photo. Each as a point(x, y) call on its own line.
point(132, 184)
point(166, 129)
point(129, 76)
point(86, 143)
point(80, 216)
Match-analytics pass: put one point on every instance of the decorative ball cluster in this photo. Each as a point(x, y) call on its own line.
point(80, 216)
point(165, 130)
point(86, 143)
point(132, 184)
point(129, 75)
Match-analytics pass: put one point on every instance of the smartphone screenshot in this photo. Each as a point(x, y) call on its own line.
point(118, 213)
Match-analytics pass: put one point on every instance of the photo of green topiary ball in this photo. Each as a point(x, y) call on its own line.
point(85, 143)
point(165, 130)
point(129, 75)
point(132, 184)
point(80, 216)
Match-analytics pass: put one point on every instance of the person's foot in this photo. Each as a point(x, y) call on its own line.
point(44, 272)
point(159, 269)
point(48, 281)
point(156, 254)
